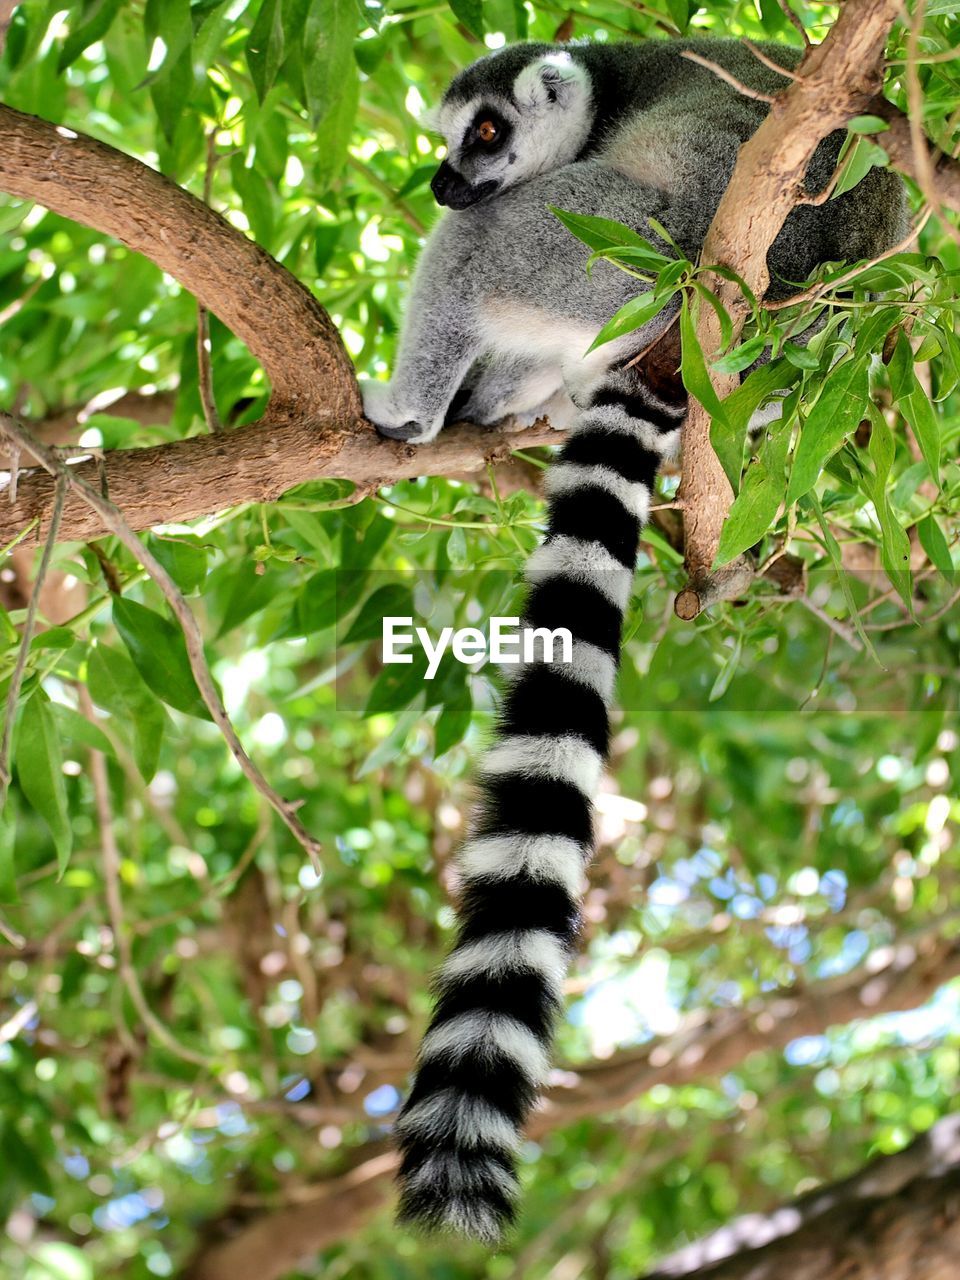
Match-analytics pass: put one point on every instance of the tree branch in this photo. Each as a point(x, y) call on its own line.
point(897, 141)
point(258, 463)
point(315, 396)
point(709, 1044)
point(903, 1207)
point(112, 519)
point(263, 304)
point(835, 81)
point(714, 1041)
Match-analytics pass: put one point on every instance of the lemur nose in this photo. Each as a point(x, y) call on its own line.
point(443, 179)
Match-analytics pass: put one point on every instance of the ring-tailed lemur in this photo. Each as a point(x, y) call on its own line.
point(500, 315)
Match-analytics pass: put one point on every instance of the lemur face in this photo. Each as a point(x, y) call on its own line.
point(518, 127)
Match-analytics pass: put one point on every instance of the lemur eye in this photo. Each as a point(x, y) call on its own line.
point(487, 131)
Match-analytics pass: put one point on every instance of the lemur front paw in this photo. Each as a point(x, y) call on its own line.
point(391, 419)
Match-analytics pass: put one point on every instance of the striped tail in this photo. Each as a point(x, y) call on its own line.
point(486, 1053)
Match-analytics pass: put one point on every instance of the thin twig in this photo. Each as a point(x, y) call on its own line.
point(922, 160)
point(18, 304)
point(769, 62)
point(810, 295)
point(111, 884)
point(821, 197)
point(6, 13)
point(16, 940)
point(204, 363)
point(910, 622)
point(794, 21)
point(16, 681)
point(398, 202)
point(836, 626)
point(113, 520)
point(722, 74)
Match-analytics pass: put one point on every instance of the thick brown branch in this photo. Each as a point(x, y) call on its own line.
point(898, 144)
point(835, 81)
point(195, 477)
point(713, 1042)
point(264, 305)
point(900, 1216)
point(708, 1045)
point(271, 1244)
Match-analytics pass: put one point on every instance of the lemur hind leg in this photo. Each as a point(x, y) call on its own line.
point(519, 386)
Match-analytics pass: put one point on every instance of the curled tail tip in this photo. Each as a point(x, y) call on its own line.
point(467, 1216)
point(464, 1192)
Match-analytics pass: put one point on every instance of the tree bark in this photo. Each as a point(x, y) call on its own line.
point(256, 298)
point(835, 81)
point(899, 1219)
point(707, 1045)
point(313, 428)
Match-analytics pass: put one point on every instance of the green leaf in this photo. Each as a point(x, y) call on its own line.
point(265, 46)
point(913, 404)
point(867, 124)
point(392, 746)
point(8, 868)
point(453, 721)
point(801, 357)
point(693, 368)
point(184, 558)
point(171, 81)
point(647, 259)
point(836, 412)
point(332, 136)
point(872, 333)
point(394, 600)
point(935, 544)
point(836, 557)
point(894, 543)
point(169, 92)
point(739, 406)
point(40, 770)
point(159, 653)
point(95, 19)
point(599, 233)
point(722, 314)
point(398, 684)
point(680, 13)
point(742, 356)
point(116, 687)
point(329, 67)
point(761, 495)
point(256, 198)
point(727, 671)
point(457, 553)
point(55, 638)
point(470, 13)
point(77, 728)
point(317, 605)
point(325, 240)
point(863, 156)
point(246, 593)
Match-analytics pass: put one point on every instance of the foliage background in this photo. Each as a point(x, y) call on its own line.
point(784, 792)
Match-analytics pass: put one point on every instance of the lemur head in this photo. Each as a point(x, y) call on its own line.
point(510, 116)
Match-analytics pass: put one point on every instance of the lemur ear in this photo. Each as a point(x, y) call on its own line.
point(555, 80)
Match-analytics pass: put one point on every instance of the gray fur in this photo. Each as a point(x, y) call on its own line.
point(501, 310)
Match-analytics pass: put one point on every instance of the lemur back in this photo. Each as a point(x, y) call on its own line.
point(500, 314)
